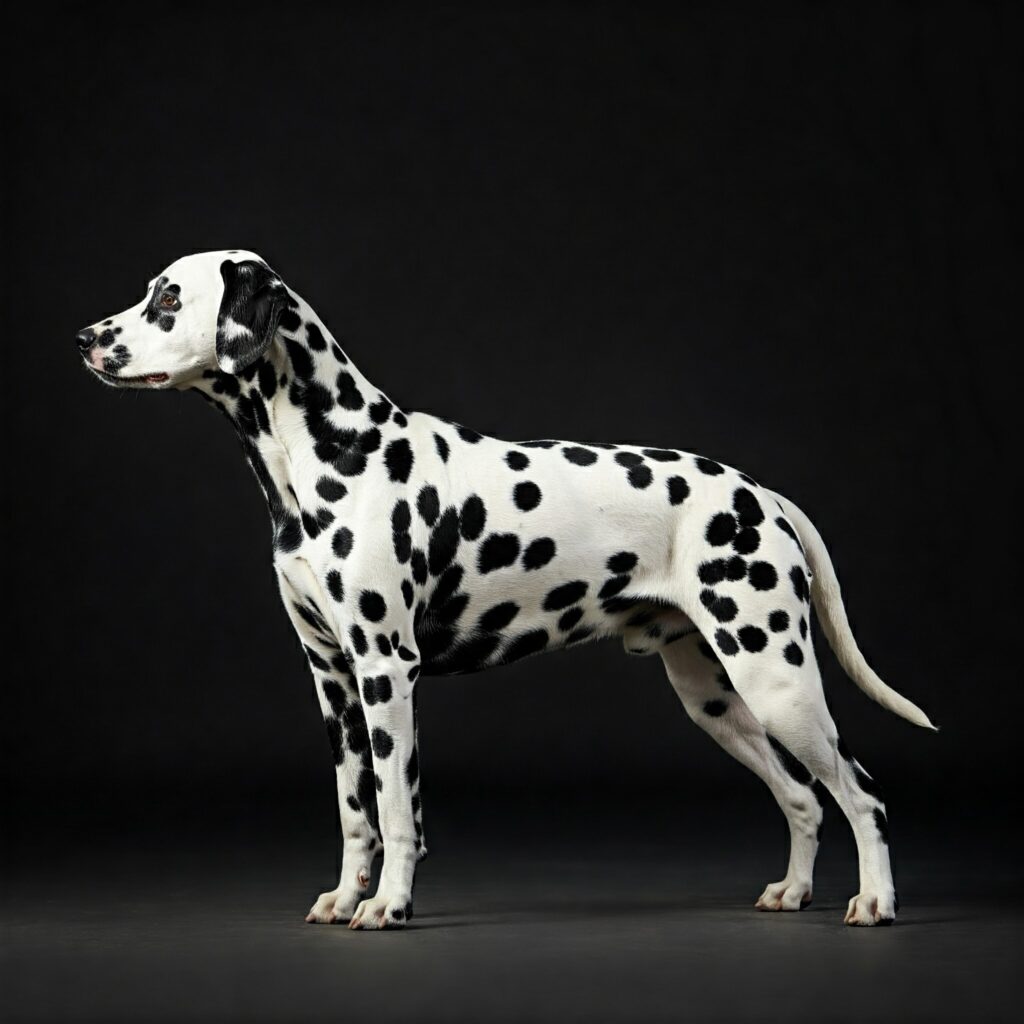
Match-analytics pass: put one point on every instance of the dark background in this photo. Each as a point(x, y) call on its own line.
point(786, 237)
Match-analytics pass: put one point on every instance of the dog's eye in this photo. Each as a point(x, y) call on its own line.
point(169, 299)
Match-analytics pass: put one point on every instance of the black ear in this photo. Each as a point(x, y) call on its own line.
point(250, 311)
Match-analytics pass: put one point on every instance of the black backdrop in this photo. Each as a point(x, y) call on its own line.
point(788, 240)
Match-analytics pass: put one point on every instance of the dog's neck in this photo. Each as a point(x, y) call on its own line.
point(302, 400)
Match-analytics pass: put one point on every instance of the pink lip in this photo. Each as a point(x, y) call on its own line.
point(156, 378)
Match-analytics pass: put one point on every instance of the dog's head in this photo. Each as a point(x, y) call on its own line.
point(213, 310)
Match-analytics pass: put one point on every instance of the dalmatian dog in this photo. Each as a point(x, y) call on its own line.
point(406, 545)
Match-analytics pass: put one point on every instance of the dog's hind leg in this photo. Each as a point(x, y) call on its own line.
point(709, 699)
point(747, 588)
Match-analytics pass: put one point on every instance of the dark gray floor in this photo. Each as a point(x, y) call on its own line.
point(520, 929)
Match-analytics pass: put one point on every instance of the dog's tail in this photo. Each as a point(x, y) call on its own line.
point(828, 601)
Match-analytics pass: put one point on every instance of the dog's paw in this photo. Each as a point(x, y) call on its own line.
point(338, 905)
point(784, 895)
point(380, 912)
point(867, 909)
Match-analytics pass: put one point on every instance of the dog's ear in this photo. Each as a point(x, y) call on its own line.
point(254, 300)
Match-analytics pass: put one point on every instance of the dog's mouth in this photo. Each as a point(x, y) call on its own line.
point(123, 381)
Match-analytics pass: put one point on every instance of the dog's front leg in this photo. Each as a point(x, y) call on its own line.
point(386, 691)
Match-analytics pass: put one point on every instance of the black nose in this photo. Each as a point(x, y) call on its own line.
point(85, 338)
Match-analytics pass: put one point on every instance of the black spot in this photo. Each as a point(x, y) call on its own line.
point(497, 618)
point(401, 516)
point(778, 621)
point(726, 642)
point(526, 495)
point(497, 551)
point(381, 742)
point(705, 648)
point(882, 824)
point(398, 458)
point(383, 645)
point(412, 768)
point(803, 628)
point(472, 518)
point(380, 411)
point(267, 380)
point(418, 564)
point(723, 608)
point(407, 594)
point(310, 525)
point(580, 456)
point(735, 568)
point(538, 553)
point(569, 619)
point(793, 654)
point(624, 561)
point(747, 507)
point(517, 460)
point(372, 605)
point(316, 660)
point(334, 738)
point(315, 338)
point(369, 440)
point(447, 585)
point(537, 444)
point(716, 708)
point(428, 505)
point(330, 489)
point(721, 529)
point(334, 586)
point(377, 689)
point(565, 595)
point(709, 467)
point(629, 459)
point(289, 533)
point(349, 395)
point(341, 545)
point(762, 576)
point(640, 477)
point(711, 572)
point(799, 581)
point(467, 435)
point(662, 455)
point(367, 796)
point(399, 419)
point(444, 542)
point(442, 446)
point(335, 695)
point(358, 637)
point(613, 586)
point(747, 541)
point(301, 360)
point(528, 643)
point(794, 767)
point(753, 638)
